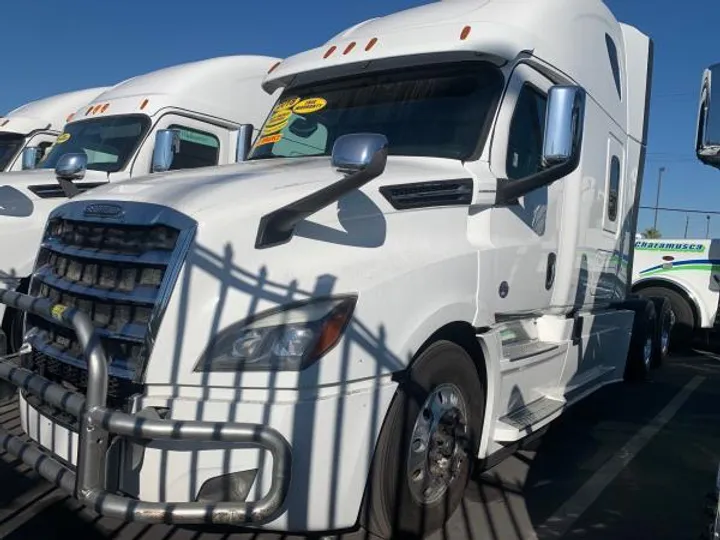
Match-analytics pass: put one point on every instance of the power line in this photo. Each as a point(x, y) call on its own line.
point(681, 210)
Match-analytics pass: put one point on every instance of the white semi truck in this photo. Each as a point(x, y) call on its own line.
point(35, 126)
point(687, 273)
point(416, 267)
point(185, 116)
point(707, 148)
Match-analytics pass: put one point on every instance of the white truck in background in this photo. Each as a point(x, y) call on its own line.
point(707, 149)
point(36, 125)
point(190, 115)
point(687, 273)
point(416, 268)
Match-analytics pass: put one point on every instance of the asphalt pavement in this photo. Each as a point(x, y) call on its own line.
point(629, 462)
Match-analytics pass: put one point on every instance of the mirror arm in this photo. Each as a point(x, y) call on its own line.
point(278, 226)
point(509, 191)
point(68, 187)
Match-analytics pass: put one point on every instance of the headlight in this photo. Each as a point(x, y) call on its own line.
point(285, 339)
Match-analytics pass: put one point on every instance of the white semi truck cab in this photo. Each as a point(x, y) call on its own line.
point(687, 271)
point(29, 130)
point(416, 267)
point(198, 114)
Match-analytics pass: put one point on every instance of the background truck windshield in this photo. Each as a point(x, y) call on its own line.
point(10, 143)
point(108, 142)
point(438, 111)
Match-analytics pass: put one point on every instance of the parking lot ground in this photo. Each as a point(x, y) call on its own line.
point(629, 462)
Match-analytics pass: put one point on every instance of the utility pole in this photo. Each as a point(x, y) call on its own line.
point(707, 228)
point(687, 222)
point(661, 170)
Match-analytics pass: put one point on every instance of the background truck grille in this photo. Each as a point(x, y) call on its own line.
point(120, 272)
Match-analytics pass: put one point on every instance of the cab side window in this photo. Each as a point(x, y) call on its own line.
point(197, 149)
point(525, 143)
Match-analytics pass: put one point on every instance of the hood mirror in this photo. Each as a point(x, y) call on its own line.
point(30, 157)
point(167, 144)
point(71, 166)
point(357, 152)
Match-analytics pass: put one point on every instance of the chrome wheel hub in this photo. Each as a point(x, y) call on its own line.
point(438, 446)
point(647, 352)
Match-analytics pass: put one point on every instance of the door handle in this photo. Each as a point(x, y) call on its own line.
point(550, 270)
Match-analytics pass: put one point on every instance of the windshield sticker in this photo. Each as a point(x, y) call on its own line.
point(287, 104)
point(310, 105)
point(62, 138)
point(274, 128)
point(272, 139)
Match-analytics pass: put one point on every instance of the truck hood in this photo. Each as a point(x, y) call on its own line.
point(28, 184)
point(257, 187)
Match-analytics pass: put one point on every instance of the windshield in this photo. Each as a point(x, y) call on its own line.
point(10, 143)
point(438, 111)
point(108, 142)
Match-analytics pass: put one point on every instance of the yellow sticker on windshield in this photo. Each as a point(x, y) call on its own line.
point(278, 117)
point(274, 128)
point(310, 105)
point(268, 140)
point(63, 137)
point(287, 104)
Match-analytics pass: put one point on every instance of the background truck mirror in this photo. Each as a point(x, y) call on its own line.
point(563, 124)
point(245, 133)
point(707, 144)
point(167, 144)
point(30, 157)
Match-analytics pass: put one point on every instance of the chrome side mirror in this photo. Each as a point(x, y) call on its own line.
point(564, 119)
point(30, 158)
point(71, 166)
point(244, 142)
point(707, 142)
point(357, 152)
point(167, 144)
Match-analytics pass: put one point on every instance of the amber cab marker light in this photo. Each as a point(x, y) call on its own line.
point(349, 48)
point(144, 103)
point(330, 51)
point(371, 44)
point(105, 107)
point(274, 66)
point(70, 117)
point(465, 33)
point(89, 110)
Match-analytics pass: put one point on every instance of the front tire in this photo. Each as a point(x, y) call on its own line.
point(665, 318)
point(684, 324)
point(427, 446)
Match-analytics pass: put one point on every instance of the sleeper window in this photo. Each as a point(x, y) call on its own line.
point(614, 187)
point(525, 143)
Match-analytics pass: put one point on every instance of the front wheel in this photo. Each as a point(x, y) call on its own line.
point(665, 322)
point(642, 340)
point(427, 445)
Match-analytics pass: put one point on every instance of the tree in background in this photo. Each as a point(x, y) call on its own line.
point(651, 232)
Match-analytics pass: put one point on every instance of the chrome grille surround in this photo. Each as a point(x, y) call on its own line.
point(120, 267)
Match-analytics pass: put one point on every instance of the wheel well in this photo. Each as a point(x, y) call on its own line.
point(662, 284)
point(462, 334)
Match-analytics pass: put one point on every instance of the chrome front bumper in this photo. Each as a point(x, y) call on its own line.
point(88, 483)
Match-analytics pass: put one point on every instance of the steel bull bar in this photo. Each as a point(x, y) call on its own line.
point(97, 423)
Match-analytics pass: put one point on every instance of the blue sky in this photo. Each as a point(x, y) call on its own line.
point(83, 43)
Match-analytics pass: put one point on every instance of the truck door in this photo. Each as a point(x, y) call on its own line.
point(524, 236)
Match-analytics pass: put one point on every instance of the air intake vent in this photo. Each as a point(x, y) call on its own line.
point(429, 194)
point(54, 191)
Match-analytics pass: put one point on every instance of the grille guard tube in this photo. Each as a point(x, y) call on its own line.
point(97, 422)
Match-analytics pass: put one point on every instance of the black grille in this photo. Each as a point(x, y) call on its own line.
point(117, 273)
point(429, 194)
